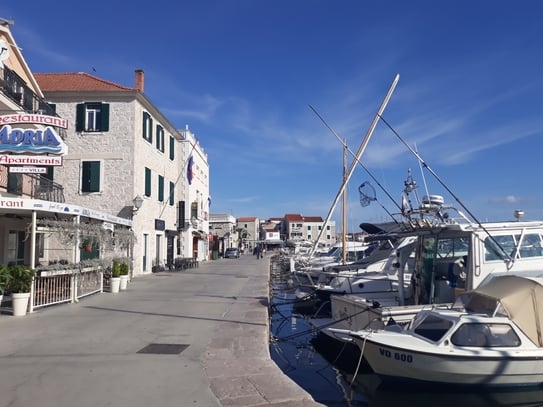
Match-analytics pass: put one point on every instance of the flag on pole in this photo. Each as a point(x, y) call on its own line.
point(190, 174)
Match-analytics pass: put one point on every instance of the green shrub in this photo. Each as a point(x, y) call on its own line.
point(124, 269)
point(5, 277)
point(116, 270)
point(20, 280)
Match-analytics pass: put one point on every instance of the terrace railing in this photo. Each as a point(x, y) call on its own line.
point(65, 286)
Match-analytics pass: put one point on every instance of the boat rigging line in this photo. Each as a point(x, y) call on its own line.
point(425, 165)
point(362, 165)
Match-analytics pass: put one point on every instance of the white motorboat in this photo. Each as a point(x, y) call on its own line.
point(306, 271)
point(451, 257)
point(491, 336)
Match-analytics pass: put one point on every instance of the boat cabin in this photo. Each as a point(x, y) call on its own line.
point(452, 258)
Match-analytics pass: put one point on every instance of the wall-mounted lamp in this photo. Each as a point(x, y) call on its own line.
point(137, 201)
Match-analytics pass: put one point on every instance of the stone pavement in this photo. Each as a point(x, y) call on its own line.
point(193, 338)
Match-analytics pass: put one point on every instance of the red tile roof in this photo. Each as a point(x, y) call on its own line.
point(294, 217)
point(247, 219)
point(313, 219)
point(75, 81)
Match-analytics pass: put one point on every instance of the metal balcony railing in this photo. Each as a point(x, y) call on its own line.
point(31, 185)
point(14, 87)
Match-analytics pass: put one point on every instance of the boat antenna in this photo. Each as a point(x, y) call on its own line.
point(362, 165)
point(422, 175)
point(359, 153)
point(425, 165)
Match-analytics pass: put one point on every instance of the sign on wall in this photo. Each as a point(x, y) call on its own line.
point(45, 145)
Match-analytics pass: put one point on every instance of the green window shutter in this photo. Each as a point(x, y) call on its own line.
point(172, 193)
point(80, 117)
point(50, 173)
point(147, 182)
point(144, 125)
point(161, 188)
point(90, 177)
point(104, 126)
point(172, 148)
point(147, 127)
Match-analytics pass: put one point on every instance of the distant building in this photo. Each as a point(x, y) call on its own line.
point(270, 235)
point(296, 227)
point(222, 234)
point(249, 230)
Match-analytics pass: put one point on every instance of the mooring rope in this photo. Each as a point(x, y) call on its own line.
point(360, 359)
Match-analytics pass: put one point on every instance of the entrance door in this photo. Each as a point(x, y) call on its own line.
point(169, 251)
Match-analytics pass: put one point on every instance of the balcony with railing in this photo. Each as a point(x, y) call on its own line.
point(27, 185)
point(16, 89)
point(30, 185)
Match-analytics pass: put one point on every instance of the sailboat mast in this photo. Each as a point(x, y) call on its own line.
point(359, 153)
point(344, 216)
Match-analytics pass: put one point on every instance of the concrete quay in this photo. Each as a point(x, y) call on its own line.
point(198, 337)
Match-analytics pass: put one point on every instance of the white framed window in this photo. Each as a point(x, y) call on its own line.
point(92, 117)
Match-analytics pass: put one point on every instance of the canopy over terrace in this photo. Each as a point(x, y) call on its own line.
point(27, 214)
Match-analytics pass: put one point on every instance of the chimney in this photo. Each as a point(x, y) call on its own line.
point(140, 80)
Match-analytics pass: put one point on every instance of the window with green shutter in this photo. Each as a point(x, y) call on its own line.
point(90, 176)
point(172, 148)
point(147, 127)
point(161, 188)
point(172, 193)
point(160, 138)
point(92, 117)
point(147, 182)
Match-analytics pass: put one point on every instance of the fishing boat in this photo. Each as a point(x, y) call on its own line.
point(490, 337)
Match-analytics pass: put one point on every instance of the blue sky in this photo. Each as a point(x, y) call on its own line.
point(242, 74)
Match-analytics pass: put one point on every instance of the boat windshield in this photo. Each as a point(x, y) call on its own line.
point(485, 335)
point(474, 302)
point(433, 327)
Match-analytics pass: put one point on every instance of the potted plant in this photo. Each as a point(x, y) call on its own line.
point(5, 277)
point(157, 266)
point(19, 285)
point(123, 270)
point(115, 280)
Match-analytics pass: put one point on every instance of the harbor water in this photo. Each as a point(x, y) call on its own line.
point(335, 375)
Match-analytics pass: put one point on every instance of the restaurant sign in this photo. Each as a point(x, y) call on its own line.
point(16, 140)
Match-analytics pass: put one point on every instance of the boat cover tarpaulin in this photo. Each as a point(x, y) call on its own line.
point(520, 297)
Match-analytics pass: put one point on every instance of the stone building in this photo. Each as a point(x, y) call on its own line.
point(125, 158)
point(296, 227)
point(222, 233)
point(249, 229)
point(33, 148)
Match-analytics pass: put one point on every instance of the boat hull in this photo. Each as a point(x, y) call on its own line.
point(497, 369)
